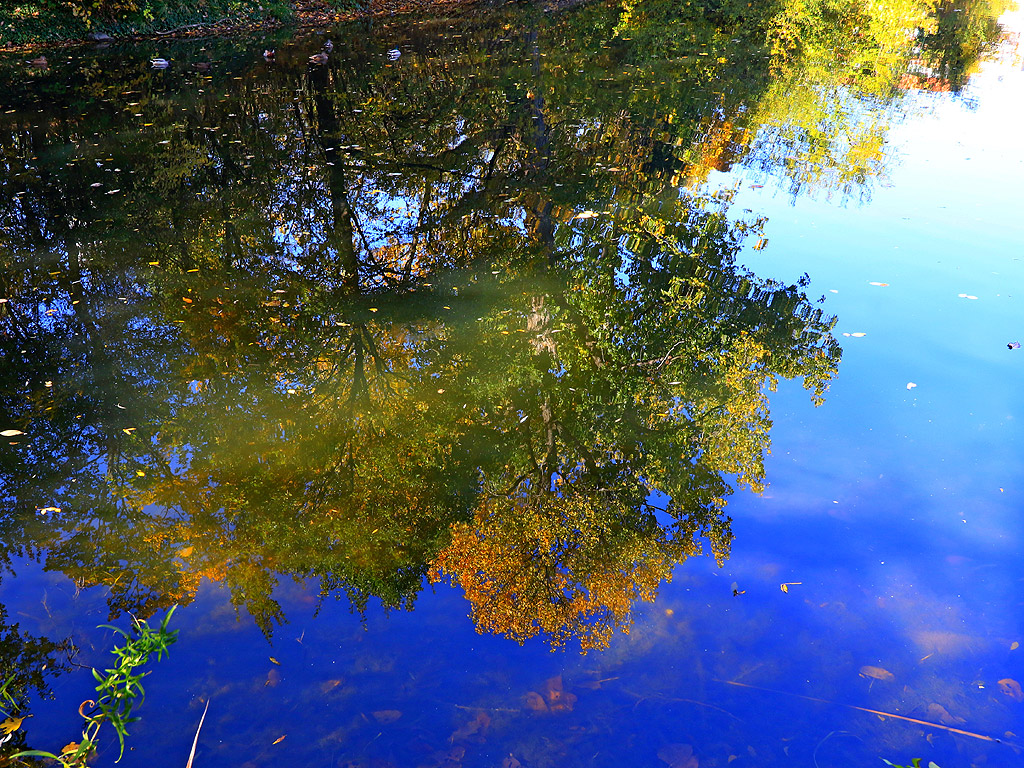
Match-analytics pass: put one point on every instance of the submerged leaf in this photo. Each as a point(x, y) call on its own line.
point(938, 712)
point(534, 702)
point(678, 756)
point(876, 673)
point(1011, 688)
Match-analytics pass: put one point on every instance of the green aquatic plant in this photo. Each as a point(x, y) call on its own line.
point(120, 691)
point(915, 763)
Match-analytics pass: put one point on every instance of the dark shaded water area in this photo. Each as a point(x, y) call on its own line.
point(616, 386)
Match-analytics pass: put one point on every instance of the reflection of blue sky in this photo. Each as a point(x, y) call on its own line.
point(903, 503)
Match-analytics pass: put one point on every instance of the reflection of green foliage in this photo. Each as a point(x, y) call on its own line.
point(32, 21)
point(960, 35)
point(25, 662)
point(301, 343)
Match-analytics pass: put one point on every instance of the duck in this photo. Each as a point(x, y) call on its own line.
point(269, 54)
point(318, 58)
point(328, 46)
point(159, 63)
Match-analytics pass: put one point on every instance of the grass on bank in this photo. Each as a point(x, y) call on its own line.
point(24, 22)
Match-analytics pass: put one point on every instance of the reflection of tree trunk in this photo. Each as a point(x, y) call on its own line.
point(342, 239)
point(543, 227)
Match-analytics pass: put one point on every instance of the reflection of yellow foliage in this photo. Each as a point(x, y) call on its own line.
point(560, 566)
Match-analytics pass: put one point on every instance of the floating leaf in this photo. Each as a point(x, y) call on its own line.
point(1011, 688)
point(279, 739)
point(1014, 645)
point(876, 673)
point(186, 552)
point(11, 432)
point(11, 724)
point(911, 385)
point(880, 285)
point(385, 716)
point(274, 661)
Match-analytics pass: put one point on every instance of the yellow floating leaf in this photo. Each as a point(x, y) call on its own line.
point(876, 673)
point(1014, 645)
point(11, 724)
point(279, 739)
point(69, 748)
point(186, 552)
point(275, 661)
point(11, 432)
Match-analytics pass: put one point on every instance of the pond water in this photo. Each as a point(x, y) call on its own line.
point(586, 388)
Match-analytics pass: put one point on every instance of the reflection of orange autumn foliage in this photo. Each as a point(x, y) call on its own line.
point(716, 148)
point(562, 566)
point(909, 82)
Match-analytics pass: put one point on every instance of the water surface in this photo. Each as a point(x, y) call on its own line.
point(678, 337)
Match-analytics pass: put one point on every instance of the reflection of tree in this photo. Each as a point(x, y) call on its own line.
point(23, 661)
point(643, 369)
point(403, 324)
